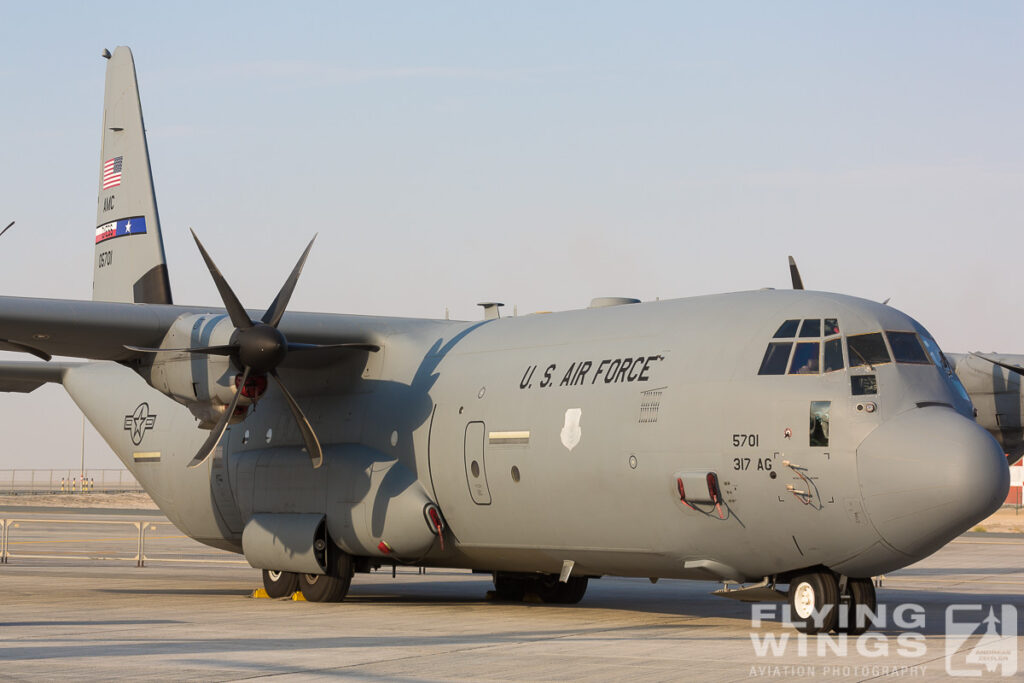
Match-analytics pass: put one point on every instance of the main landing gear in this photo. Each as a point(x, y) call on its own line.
point(512, 587)
point(330, 587)
point(821, 603)
point(280, 584)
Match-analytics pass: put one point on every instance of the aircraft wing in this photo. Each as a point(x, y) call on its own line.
point(99, 330)
point(96, 330)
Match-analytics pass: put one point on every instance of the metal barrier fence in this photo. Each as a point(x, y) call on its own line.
point(67, 481)
point(100, 539)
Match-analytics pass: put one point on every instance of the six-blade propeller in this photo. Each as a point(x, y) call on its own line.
point(257, 348)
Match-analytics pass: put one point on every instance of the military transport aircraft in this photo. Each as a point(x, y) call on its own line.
point(993, 383)
point(773, 438)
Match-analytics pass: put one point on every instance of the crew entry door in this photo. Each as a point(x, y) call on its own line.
point(476, 468)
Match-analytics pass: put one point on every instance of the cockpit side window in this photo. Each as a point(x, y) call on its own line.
point(833, 354)
point(831, 326)
point(811, 328)
point(867, 349)
point(775, 358)
point(787, 330)
point(906, 347)
point(942, 363)
point(805, 359)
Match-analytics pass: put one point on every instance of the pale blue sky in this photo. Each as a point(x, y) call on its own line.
point(538, 154)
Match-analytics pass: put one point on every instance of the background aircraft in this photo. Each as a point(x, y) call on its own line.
point(792, 438)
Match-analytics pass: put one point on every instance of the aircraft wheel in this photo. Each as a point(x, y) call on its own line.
point(572, 591)
point(280, 584)
point(811, 594)
point(508, 589)
point(862, 598)
point(332, 587)
point(554, 592)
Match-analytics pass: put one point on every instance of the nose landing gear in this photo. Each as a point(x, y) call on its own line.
point(859, 599)
point(820, 603)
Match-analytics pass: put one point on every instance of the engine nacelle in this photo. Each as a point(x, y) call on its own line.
point(205, 384)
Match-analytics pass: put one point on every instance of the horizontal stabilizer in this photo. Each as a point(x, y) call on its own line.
point(25, 376)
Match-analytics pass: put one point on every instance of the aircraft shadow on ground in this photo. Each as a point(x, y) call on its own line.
point(176, 591)
point(89, 622)
point(245, 644)
point(678, 600)
point(945, 571)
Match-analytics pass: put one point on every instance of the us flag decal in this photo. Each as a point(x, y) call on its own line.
point(112, 172)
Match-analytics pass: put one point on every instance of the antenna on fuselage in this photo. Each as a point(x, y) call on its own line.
point(491, 309)
point(6, 229)
point(798, 282)
point(794, 274)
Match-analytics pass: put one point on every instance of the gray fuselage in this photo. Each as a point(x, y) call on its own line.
point(570, 436)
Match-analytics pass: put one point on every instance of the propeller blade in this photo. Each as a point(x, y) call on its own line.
point(316, 454)
point(794, 274)
point(7, 228)
point(355, 346)
point(1012, 367)
point(236, 311)
point(218, 431)
point(223, 350)
point(18, 346)
point(273, 315)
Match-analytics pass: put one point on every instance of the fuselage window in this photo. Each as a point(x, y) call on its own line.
point(867, 349)
point(906, 348)
point(775, 358)
point(831, 326)
point(811, 328)
point(787, 329)
point(833, 354)
point(805, 359)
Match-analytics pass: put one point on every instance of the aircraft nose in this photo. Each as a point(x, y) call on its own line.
point(928, 475)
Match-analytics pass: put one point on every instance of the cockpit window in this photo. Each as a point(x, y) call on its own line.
point(831, 326)
point(942, 363)
point(805, 359)
point(906, 347)
point(867, 349)
point(775, 358)
point(787, 329)
point(833, 354)
point(811, 328)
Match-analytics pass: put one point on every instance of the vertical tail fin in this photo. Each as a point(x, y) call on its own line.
point(130, 265)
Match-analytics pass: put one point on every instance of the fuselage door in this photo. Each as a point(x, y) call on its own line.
point(476, 468)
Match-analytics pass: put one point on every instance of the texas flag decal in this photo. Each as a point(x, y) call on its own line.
point(125, 227)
